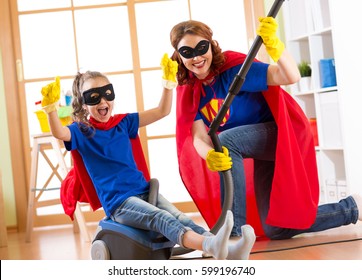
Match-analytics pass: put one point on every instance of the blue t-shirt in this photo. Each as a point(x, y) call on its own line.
point(108, 158)
point(248, 106)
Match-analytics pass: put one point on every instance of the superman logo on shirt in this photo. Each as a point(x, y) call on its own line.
point(210, 110)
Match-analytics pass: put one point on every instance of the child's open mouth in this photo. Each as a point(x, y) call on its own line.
point(103, 111)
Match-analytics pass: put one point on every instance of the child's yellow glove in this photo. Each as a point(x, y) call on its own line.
point(51, 96)
point(267, 31)
point(217, 161)
point(169, 71)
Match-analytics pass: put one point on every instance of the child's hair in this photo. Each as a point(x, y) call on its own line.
point(80, 114)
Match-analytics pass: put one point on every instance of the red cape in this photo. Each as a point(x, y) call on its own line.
point(295, 189)
point(77, 186)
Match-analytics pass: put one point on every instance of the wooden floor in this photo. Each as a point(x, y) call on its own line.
point(61, 243)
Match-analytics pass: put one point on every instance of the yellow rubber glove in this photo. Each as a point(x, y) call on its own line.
point(169, 71)
point(51, 96)
point(267, 31)
point(217, 161)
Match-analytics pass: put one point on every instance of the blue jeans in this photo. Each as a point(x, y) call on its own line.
point(258, 141)
point(164, 218)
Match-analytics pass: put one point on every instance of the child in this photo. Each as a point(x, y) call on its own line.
point(103, 142)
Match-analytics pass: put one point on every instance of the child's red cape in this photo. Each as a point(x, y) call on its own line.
point(77, 186)
point(295, 189)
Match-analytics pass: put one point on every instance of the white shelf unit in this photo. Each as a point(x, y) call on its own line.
point(309, 37)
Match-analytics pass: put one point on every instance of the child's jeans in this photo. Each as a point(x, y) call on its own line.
point(164, 218)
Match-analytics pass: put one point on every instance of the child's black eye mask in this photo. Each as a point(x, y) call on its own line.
point(94, 96)
point(201, 48)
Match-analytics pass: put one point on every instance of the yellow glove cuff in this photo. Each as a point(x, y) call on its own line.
point(51, 107)
point(275, 49)
point(217, 161)
point(168, 84)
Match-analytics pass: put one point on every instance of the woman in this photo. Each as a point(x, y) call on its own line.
point(263, 123)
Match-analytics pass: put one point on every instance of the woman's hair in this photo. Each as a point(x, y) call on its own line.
point(193, 27)
point(80, 114)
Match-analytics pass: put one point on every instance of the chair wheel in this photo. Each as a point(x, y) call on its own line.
point(99, 250)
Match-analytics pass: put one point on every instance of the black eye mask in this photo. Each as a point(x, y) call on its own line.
point(93, 96)
point(201, 48)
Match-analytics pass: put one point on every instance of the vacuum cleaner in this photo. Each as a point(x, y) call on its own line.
point(116, 241)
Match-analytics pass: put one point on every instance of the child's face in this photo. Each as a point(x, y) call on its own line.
point(103, 110)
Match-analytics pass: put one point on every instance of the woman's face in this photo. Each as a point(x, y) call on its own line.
point(196, 55)
point(103, 110)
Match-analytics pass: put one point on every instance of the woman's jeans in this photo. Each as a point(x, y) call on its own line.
point(258, 141)
point(164, 218)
